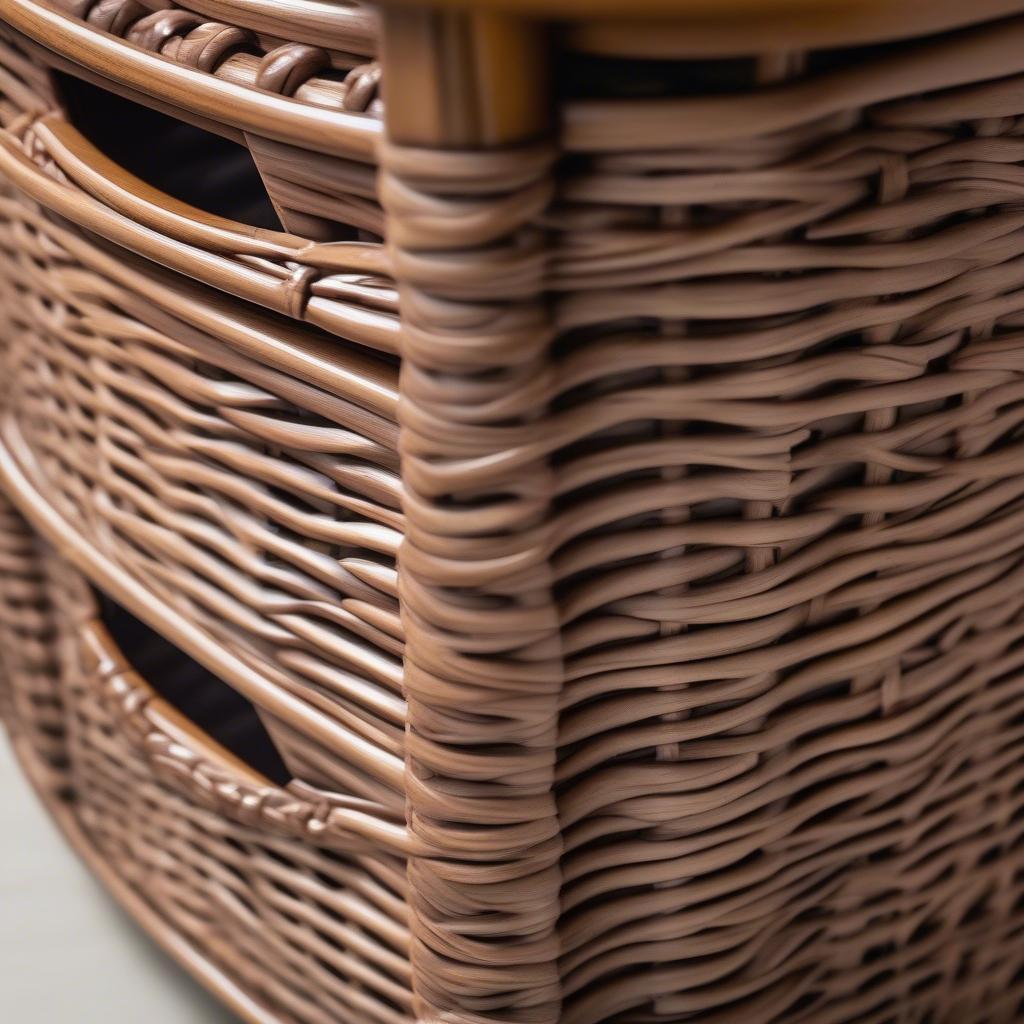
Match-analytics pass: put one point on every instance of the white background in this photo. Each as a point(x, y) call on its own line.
point(68, 955)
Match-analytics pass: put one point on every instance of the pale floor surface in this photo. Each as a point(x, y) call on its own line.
point(68, 955)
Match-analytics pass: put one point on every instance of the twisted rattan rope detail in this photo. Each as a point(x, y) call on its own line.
point(194, 40)
point(314, 818)
point(285, 68)
point(284, 919)
point(483, 666)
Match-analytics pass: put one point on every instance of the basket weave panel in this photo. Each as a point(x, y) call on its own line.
point(658, 613)
point(789, 638)
point(319, 936)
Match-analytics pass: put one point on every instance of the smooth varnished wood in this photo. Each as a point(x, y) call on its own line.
point(669, 28)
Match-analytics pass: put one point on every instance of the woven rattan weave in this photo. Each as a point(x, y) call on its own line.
point(515, 516)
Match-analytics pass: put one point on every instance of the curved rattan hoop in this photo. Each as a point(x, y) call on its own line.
point(206, 774)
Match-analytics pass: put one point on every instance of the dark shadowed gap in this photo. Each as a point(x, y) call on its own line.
point(214, 706)
point(199, 168)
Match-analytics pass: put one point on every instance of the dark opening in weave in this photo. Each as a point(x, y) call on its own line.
point(211, 704)
point(204, 170)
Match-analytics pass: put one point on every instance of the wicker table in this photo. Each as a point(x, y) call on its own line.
point(569, 568)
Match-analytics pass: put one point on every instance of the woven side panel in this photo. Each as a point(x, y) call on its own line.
point(792, 574)
point(312, 936)
point(483, 664)
point(251, 481)
point(30, 703)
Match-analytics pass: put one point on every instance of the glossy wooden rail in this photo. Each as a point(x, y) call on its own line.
point(719, 28)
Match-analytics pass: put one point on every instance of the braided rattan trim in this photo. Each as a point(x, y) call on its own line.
point(284, 931)
point(344, 29)
point(261, 691)
point(77, 45)
point(213, 780)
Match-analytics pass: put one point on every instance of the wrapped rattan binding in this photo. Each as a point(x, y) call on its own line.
point(607, 491)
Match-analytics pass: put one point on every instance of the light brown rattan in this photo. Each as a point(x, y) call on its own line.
point(608, 490)
point(191, 832)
